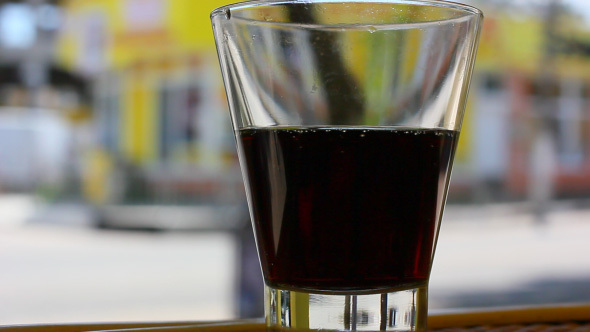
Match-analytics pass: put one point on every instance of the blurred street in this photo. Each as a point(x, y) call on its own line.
point(66, 271)
point(500, 255)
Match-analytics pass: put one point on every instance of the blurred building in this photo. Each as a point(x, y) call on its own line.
point(528, 125)
point(130, 93)
point(163, 134)
point(160, 110)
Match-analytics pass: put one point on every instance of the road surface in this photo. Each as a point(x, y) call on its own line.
point(67, 271)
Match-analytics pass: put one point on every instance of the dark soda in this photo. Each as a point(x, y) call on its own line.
point(346, 209)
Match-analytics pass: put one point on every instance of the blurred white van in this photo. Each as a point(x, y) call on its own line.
point(34, 148)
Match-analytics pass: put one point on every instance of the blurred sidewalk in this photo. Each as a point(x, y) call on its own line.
point(500, 255)
point(67, 271)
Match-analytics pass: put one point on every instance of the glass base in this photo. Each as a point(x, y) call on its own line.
point(400, 310)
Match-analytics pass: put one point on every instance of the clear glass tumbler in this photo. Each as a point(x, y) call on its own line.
point(346, 115)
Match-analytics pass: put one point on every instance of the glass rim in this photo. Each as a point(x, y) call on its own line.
point(469, 12)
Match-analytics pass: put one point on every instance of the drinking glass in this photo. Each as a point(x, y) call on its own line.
point(346, 115)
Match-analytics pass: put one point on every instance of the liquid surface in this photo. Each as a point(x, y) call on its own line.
point(346, 209)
